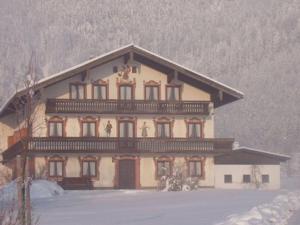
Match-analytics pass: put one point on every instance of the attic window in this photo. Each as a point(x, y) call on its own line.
point(134, 69)
point(115, 69)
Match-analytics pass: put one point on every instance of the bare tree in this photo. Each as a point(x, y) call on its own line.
point(26, 108)
point(256, 176)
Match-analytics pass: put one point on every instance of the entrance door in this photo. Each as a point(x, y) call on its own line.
point(127, 174)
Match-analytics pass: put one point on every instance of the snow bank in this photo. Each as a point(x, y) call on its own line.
point(276, 213)
point(39, 189)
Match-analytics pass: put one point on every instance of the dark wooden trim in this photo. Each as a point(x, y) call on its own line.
point(89, 119)
point(116, 106)
point(174, 85)
point(202, 160)
point(89, 145)
point(162, 159)
point(194, 120)
point(76, 84)
point(152, 83)
point(57, 119)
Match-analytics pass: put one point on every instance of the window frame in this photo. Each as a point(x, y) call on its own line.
point(89, 119)
point(246, 178)
point(163, 159)
point(262, 179)
point(89, 159)
point(173, 86)
point(77, 84)
point(94, 85)
point(120, 93)
point(133, 122)
point(55, 160)
point(163, 123)
point(227, 181)
point(195, 168)
point(151, 84)
point(56, 119)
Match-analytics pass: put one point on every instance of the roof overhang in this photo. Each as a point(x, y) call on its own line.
point(221, 94)
point(246, 155)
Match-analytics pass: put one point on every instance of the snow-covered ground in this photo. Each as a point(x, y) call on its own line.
point(205, 206)
point(39, 189)
point(123, 207)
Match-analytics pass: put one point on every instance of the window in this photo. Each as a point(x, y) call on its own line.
point(56, 168)
point(246, 178)
point(55, 129)
point(88, 129)
point(77, 91)
point(151, 93)
point(126, 129)
point(265, 178)
point(173, 93)
point(227, 178)
point(115, 69)
point(163, 130)
point(100, 92)
point(194, 130)
point(163, 168)
point(195, 169)
point(134, 69)
point(125, 92)
point(89, 168)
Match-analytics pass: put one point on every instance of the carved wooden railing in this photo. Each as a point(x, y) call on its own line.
point(126, 106)
point(121, 145)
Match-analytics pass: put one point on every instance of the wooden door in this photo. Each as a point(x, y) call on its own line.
point(127, 174)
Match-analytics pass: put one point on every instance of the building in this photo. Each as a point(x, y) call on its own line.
point(121, 120)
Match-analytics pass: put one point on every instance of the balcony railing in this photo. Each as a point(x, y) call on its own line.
point(126, 106)
point(121, 145)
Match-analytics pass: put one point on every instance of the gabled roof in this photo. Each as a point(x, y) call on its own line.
point(221, 93)
point(250, 156)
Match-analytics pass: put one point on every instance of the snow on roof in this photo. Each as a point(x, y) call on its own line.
point(261, 151)
point(49, 78)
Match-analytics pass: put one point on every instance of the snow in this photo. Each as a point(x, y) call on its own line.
point(124, 207)
point(39, 189)
point(276, 212)
point(146, 207)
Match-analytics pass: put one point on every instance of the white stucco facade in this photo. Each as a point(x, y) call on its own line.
point(255, 171)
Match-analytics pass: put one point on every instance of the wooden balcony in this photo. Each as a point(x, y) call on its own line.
point(92, 106)
point(121, 145)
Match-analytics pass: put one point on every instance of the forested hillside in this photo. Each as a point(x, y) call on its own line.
point(253, 46)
